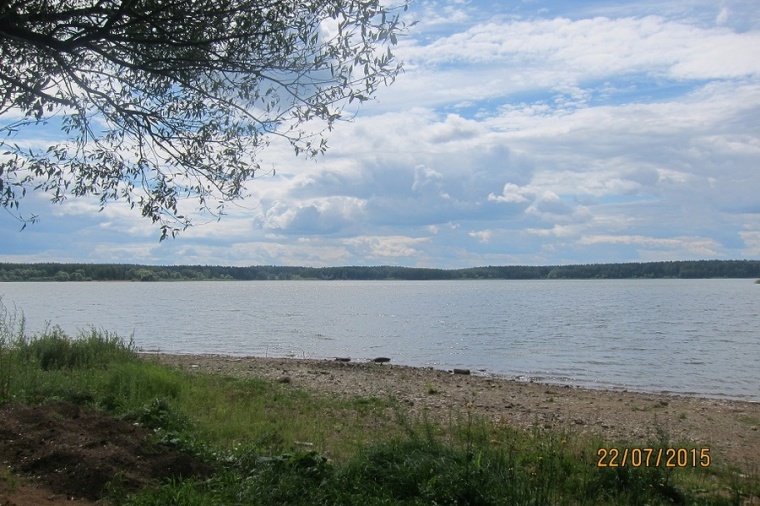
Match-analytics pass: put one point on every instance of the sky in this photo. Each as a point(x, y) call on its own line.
point(521, 133)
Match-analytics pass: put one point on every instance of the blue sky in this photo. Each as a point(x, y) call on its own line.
point(525, 132)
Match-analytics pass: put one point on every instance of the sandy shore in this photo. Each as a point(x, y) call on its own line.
point(729, 428)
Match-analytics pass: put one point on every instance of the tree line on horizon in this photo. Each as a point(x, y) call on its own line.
point(688, 269)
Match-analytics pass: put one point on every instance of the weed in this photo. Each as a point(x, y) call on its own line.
point(11, 332)
point(54, 350)
point(371, 451)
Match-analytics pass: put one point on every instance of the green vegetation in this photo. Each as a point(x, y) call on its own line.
point(125, 272)
point(270, 443)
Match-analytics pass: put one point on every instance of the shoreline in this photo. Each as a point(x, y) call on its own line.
point(480, 373)
point(728, 427)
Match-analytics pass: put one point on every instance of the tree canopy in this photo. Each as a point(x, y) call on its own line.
point(165, 100)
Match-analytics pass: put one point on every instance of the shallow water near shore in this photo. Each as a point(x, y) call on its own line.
point(695, 337)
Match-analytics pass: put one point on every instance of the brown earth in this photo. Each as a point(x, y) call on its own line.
point(64, 454)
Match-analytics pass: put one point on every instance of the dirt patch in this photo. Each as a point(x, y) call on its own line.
point(728, 428)
point(65, 451)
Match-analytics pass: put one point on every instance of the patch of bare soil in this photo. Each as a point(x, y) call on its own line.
point(728, 428)
point(64, 452)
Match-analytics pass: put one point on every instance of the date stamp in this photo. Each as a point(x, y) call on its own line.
point(653, 457)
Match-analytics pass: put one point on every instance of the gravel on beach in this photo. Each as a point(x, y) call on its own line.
point(728, 427)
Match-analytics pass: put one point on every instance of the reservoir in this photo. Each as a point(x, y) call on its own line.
point(695, 337)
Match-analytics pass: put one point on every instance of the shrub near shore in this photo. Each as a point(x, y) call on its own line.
point(270, 443)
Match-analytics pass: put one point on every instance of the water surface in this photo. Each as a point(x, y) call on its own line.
point(684, 336)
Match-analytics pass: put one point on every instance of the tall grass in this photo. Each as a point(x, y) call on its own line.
point(419, 470)
point(54, 350)
point(274, 444)
point(12, 332)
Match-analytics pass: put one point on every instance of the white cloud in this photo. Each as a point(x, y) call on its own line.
point(514, 194)
point(751, 240)
point(579, 50)
point(607, 130)
point(425, 177)
point(499, 58)
point(384, 247)
point(699, 246)
point(723, 16)
point(561, 231)
point(483, 236)
point(316, 216)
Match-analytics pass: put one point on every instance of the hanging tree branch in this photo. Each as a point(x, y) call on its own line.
point(163, 100)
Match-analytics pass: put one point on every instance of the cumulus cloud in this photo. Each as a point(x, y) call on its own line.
point(320, 216)
point(386, 247)
point(599, 132)
point(483, 236)
point(514, 194)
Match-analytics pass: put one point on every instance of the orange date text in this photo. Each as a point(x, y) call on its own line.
point(653, 457)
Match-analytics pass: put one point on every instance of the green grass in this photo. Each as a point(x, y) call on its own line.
point(271, 443)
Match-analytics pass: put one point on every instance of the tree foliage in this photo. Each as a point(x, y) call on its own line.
point(164, 100)
point(125, 272)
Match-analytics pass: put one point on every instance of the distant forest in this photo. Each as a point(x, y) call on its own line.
point(126, 272)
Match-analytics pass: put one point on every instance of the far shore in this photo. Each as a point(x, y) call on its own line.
point(728, 427)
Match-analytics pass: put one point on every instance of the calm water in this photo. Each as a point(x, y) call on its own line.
point(686, 336)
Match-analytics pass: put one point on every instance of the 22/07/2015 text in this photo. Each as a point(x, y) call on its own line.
point(653, 457)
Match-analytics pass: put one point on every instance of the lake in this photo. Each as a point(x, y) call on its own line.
point(697, 337)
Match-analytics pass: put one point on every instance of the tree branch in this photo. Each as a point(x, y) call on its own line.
point(182, 87)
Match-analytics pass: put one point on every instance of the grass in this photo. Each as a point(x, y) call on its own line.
point(273, 444)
